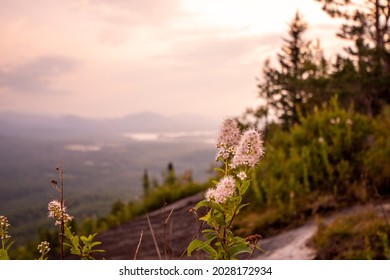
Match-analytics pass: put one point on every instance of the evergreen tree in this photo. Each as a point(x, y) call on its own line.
point(146, 183)
point(170, 177)
point(367, 26)
point(287, 89)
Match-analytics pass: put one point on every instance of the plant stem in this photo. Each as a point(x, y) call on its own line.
point(62, 211)
point(139, 244)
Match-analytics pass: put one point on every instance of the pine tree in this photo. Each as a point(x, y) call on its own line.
point(170, 177)
point(367, 26)
point(146, 183)
point(288, 88)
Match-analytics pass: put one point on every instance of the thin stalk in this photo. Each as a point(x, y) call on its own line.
point(253, 250)
point(62, 211)
point(139, 244)
point(154, 238)
point(164, 233)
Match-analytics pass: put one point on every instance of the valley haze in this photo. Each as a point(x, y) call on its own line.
point(103, 160)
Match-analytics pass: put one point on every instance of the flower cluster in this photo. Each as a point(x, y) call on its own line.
point(238, 152)
point(4, 226)
point(57, 212)
point(44, 247)
point(222, 191)
point(228, 138)
point(249, 149)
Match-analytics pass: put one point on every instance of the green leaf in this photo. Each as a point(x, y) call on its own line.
point(241, 206)
point(200, 245)
point(219, 169)
point(244, 187)
point(85, 250)
point(220, 219)
point(239, 248)
point(206, 217)
point(75, 251)
point(75, 241)
point(216, 206)
point(95, 243)
point(194, 245)
point(237, 200)
point(210, 237)
point(97, 251)
point(201, 204)
point(84, 239)
point(9, 246)
point(68, 233)
point(4, 255)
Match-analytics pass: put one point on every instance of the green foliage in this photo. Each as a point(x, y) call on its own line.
point(221, 243)
point(84, 249)
point(4, 254)
point(359, 236)
point(323, 154)
point(377, 159)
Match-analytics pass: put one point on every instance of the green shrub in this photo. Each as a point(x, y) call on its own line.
point(360, 236)
point(323, 154)
point(378, 156)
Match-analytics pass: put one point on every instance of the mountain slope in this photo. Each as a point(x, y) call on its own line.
point(120, 243)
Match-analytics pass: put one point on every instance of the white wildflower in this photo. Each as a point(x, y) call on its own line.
point(249, 150)
point(210, 194)
point(242, 175)
point(4, 226)
point(229, 136)
point(335, 121)
point(57, 213)
point(223, 190)
point(44, 247)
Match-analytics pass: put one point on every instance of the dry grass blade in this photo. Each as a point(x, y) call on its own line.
point(139, 244)
point(169, 216)
point(154, 238)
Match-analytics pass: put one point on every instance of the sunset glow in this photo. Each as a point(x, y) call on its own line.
point(111, 58)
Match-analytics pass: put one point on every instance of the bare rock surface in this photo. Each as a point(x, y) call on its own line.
point(173, 229)
point(175, 225)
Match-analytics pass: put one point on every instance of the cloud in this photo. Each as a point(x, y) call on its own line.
point(128, 12)
point(38, 75)
point(122, 56)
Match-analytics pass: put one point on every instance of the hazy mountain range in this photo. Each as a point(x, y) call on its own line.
point(103, 160)
point(69, 126)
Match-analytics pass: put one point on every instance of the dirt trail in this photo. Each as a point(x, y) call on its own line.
point(121, 242)
point(293, 244)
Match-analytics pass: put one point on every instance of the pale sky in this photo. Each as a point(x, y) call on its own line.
point(110, 58)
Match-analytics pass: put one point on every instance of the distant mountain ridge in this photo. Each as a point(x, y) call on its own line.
point(70, 125)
